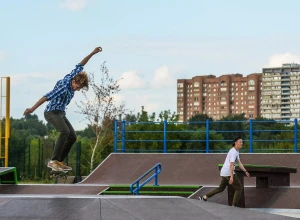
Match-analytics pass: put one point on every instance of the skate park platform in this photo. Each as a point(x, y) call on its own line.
point(82, 200)
point(8, 175)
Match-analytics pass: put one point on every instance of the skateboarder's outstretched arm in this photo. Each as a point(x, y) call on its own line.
point(33, 108)
point(88, 57)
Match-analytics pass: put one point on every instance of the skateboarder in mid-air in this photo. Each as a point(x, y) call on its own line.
point(55, 114)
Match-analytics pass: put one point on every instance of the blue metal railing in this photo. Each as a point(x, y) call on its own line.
point(209, 127)
point(157, 169)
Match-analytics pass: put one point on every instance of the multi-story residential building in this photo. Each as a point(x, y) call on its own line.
point(219, 96)
point(281, 92)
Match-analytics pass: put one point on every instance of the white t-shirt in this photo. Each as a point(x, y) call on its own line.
point(232, 156)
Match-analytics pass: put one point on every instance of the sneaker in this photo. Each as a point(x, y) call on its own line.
point(54, 165)
point(64, 166)
point(202, 198)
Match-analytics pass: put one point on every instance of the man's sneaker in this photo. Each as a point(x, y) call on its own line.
point(202, 198)
point(64, 166)
point(54, 165)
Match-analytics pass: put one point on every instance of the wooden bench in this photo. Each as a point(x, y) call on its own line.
point(265, 176)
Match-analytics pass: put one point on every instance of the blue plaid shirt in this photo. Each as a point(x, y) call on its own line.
point(62, 92)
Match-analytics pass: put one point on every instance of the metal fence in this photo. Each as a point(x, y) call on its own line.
point(30, 157)
point(268, 136)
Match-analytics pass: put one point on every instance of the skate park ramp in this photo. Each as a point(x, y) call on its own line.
point(81, 201)
point(123, 208)
point(181, 169)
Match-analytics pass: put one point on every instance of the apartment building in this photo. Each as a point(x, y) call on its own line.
point(219, 96)
point(281, 92)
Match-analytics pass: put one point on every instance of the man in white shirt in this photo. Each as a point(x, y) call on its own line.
point(228, 175)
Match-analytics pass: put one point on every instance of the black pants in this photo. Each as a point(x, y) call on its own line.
point(67, 136)
point(224, 183)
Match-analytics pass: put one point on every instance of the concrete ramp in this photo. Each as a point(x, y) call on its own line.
point(181, 169)
point(123, 208)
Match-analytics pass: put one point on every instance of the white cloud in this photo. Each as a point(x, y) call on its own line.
point(74, 5)
point(163, 78)
point(131, 80)
point(277, 60)
point(32, 79)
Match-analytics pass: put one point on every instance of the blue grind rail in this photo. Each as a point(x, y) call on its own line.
point(157, 169)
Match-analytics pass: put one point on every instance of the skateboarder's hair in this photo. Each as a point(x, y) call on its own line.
point(235, 139)
point(82, 79)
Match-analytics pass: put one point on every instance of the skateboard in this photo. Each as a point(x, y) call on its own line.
point(59, 174)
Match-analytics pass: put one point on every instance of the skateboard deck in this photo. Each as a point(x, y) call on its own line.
point(59, 174)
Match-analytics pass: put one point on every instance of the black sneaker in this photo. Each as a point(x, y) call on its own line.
point(202, 198)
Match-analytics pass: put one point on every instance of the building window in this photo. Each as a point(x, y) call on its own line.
point(251, 82)
point(223, 83)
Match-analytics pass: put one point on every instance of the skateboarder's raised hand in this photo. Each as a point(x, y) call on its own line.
point(88, 57)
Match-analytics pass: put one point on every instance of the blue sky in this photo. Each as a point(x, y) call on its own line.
point(150, 44)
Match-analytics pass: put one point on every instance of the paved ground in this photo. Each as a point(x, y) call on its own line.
point(295, 213)
point(121, 208)
point(276, 198)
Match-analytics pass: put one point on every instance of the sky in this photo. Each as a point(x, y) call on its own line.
point(146, 44)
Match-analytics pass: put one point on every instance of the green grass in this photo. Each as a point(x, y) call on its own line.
point(162, 186)
point(164, 190)
point(261, 166)
point(148, 192)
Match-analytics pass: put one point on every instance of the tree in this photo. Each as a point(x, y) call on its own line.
point(235, 126)
point(198, 121)
point(100, 110)
point(149, 130)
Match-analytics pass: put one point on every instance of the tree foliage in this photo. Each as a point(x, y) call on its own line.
point(100, 110)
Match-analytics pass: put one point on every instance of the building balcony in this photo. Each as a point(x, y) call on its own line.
point(266, 107)
point(267, 84)
point(267, 92)
point(275, 88)
point(276, 112)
